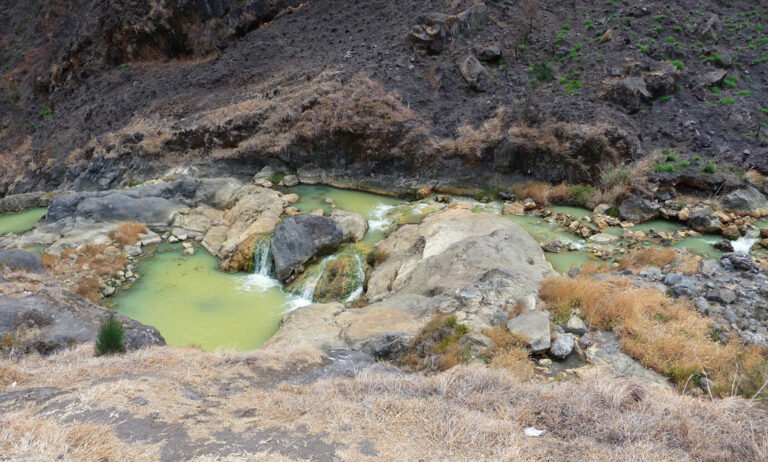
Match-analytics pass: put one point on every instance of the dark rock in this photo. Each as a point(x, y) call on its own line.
point(722, 295)
point(300, 238)
point(62, 322)
point(435, 30)
point(553, 246)
point(745, 200)
point(662, 81)
point(673, 278)
point(711, 78)
point(628, 92)
point(687, 287)
point(710, 267)
point(488, 53)
point(739, 261)
point(477, 343)
point(702, 220)
point(387, 346)
point(638, 210)
point(20, 260)
point(474, 73)
point(725, 245)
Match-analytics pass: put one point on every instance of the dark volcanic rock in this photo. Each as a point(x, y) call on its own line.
point(639, 210)
point(20, 260)
point(702, 220)
point(62, 322)
point(300, 238)
point(746, 200)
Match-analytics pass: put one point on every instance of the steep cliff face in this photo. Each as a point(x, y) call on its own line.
point(99, 94)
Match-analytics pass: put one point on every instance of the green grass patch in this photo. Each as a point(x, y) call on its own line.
point(110, 338)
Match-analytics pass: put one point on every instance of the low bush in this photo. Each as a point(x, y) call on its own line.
point(110, 338)
point(709, 167)
point(666, 168)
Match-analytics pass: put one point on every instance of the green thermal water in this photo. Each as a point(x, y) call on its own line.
point(575, 212)
point(371, 206)
point(19, 222)
point(191, 302)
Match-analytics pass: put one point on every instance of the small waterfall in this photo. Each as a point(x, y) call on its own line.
point(744, 243)
point(262, 262)
point(360, 277)
point(308, 290)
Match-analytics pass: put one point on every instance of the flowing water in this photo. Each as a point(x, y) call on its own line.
point(191, 302)
point(371, 206)
point(19, 222)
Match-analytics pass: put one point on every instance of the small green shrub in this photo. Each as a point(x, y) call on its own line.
point(666, 168)
point(678, 64)
point(582, 194)
point(696, 158)
point(543, 72)
point(110, 338)
point(709, 168)
point(726, 101)
point(684, 163)
point(671, 157)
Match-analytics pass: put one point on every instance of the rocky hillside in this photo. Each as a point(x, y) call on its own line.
point(388, 95)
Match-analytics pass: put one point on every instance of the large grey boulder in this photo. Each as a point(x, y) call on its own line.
point(745, 200)
point(456, 251)
point(300, 238)
point(639, 210)
point(20, 260)
point(562, 346)
point(353, 225)
point(152, 204)
point(534, 327)
point(46, 323)
point(702, 220)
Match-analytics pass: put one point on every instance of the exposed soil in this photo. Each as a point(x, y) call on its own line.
point(212, 55)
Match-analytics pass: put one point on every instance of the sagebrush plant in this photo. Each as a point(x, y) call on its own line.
point(110, 338)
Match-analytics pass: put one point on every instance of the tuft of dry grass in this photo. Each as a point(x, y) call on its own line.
point(509, 352)
point(470, 143)
point(127, 233)
point(536, 190)
point(663, 334)
point(660, 257)
point(560, 194)
point(649, 256)
point(755, 177)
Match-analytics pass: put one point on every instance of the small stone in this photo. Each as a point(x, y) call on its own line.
point(188, 251)
point(576, 326)
point(318, 212)
point(292, 211)
point(603, 238)
point(132, 250)
point(290, 180)
point(108, 291)
point(562, 346)
point(533, 325)
point(186, 245)
point(513, 208)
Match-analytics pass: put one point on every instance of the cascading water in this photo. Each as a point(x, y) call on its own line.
point(307, 293)
point(262, 263)
point(360, 278)
point(744, 243)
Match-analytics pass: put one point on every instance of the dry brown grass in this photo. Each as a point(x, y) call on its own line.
point(509, 352)
point(470, 143)
point(650, 256)
point(755, 177)
point(660, 257)
point(560, 194)
point(663, 334)
point(128, 233)
point(467, 413)
point(535, 190)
